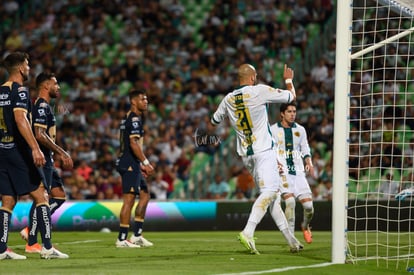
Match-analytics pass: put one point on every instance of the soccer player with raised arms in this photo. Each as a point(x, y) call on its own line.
point(246, 109)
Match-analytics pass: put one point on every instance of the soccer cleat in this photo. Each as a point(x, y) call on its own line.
point(24, 233)
point(248, 243)
point(10, 255)
point(295, 245)
point(296, 248)
point(126, 244)
point(52, 253)
point(141, 241)
point(404, 193)
point(36, 248)
point(307, 234)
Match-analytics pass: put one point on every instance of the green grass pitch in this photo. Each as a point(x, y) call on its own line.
point(215, 252)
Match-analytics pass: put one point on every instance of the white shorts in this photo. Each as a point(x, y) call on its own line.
point(297, 185)
point(263, 167)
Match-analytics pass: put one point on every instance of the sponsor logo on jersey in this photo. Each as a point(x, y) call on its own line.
point(5, 103)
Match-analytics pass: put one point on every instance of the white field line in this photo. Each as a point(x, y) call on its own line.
point(278, 269)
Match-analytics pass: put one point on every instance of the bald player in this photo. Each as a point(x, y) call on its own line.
point(246, 109)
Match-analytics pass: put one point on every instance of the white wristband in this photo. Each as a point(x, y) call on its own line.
point(288, 81)
point(146, 162)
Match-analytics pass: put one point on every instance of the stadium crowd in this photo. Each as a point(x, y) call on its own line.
point(100, 49)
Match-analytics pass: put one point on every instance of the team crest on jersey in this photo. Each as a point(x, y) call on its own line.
point(297, 134)
point(280, 135)
point(22, 95)
point(41, 112)
point(135, 124)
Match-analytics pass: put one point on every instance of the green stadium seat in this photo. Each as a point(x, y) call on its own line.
point(321, 147)
point(297, 53)
point(64, 89)
point(327, 156)
point(217, 99)
point(352, 188)
point(198, 39)
point(313, 30)
point(124, 87)
point(372, 174)
point(362, 189)
point(199, 160)
point(179, 189)
point(284, 17)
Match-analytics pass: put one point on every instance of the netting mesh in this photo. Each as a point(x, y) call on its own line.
point(381, 140)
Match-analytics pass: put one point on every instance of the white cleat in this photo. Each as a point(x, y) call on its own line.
point(296, 248)
point(126, 244)
point(141, 241)
point(295, 245)
point(52, 253)
point(10, 255)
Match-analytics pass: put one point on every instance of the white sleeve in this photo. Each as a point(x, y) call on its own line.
point(304, 144)
point(274, 95)
point(220, 113)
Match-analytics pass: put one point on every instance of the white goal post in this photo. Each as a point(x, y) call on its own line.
point(374, 109)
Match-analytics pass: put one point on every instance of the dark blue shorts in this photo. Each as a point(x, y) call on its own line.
point(18, 174)
point(131, 175)
point(52, 178)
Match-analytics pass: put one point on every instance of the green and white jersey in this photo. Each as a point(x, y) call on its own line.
point(247, 111)
point(292, 146)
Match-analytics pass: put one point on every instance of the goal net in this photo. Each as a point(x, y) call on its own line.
point(380, 125)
